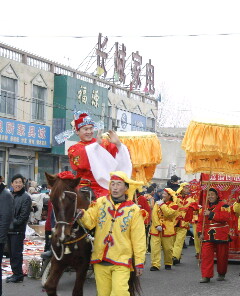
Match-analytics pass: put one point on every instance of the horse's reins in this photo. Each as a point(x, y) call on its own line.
point(87, 235)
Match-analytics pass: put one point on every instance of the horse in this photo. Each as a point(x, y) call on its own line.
point(71, 246)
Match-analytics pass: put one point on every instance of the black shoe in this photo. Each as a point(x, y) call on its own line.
point(205, 280)
point(221, 277)
point(14, 279)
point(154, 268)
point(175, 261)
point(168, 267)
point(184, 246)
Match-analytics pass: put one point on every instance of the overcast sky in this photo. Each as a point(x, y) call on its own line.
point(196, 73)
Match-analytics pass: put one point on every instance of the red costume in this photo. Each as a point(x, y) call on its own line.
point(215, 238)
point(143, 204)
point(80, 163)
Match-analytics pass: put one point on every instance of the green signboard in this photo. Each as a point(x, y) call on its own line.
point(71, 93)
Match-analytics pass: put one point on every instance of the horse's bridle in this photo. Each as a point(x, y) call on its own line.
point(75, 210)
point(75, 217)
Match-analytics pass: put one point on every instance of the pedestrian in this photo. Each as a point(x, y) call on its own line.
point(173, 183)
point(213, 230)
point(16, 233)
point(184, 200)
point(158, 195)
point(2, 180)
point(162, 230)
point(6, 215)
point(94, 158)
point(149, 196)
point(119, 236)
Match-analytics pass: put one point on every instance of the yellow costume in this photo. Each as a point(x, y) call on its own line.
point(181, 225)
point(119, 236)
point(236, 209)
point(163, 215)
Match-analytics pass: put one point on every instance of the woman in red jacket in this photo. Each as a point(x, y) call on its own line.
point(213, 230)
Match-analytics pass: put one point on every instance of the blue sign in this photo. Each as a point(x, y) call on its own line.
point(18, 132)
point(138, 122)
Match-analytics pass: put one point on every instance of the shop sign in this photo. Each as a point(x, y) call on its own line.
point(220, 178)
point(124, 120)
point(18, 132)
point(138, 122)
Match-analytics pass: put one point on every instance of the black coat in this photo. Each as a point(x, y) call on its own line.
point(6, 212)
point(22, 209)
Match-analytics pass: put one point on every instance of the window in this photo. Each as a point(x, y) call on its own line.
point(150, 124)
point(8, 95)
point(38, 107)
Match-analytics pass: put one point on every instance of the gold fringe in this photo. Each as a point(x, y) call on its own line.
point(145, 151)
point(213, 141)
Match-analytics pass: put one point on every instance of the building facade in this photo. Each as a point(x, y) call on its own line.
point(38, 98)
point(26, 100)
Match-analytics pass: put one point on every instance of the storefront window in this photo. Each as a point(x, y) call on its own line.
point(65, 164)
point(46, 163)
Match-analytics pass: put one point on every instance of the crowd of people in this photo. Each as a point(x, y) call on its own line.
point(129, 221)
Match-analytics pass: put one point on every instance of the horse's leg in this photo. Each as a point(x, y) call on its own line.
point(81, 272)
point(56, 271)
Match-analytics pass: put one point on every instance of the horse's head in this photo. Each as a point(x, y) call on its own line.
point(65, 200)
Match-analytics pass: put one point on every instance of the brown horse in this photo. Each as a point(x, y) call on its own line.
point(70, 243)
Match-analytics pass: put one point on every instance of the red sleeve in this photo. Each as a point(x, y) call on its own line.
point(142, 201)
point(110, 147)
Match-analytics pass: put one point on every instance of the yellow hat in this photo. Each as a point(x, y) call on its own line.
point(171, 192)
point(133, 185)
point(181, 187)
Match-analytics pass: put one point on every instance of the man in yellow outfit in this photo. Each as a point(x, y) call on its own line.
point(183, 201)
point(119, 236)
point(162, 230)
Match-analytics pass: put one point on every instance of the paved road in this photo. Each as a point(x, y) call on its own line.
point(182, 280)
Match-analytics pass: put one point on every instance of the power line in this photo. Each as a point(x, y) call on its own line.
point(122, 36)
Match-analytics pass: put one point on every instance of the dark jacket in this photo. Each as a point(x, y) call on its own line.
point(173, 186)
point(22, 209)
point(6, 212)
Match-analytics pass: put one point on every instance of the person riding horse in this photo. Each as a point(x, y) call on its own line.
point(94, 158)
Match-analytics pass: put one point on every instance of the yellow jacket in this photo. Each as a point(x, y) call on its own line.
point(183, 203)
point(164, 215)
point(236, 209)
point(119, 233)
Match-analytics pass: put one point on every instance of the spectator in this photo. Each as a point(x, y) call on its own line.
point(37, 205)
point(6, 213)
point(149, 195)
point(174, 183)
point(16, 234)
point(158, 195)
point(2, 180)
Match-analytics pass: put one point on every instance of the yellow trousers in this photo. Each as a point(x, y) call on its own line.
point(179, 240)
point(167, 246)
point(196, 239)
point(112, 280)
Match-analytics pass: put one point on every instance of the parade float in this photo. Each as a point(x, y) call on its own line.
point(145, 151)
point(214, 151)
